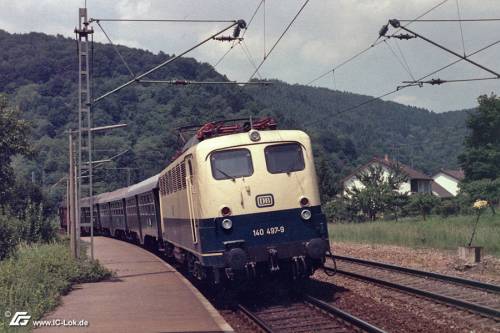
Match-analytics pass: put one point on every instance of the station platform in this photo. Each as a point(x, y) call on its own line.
point(146, 295)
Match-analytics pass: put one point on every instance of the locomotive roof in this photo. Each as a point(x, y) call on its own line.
point(144, 186)
point(243, 139)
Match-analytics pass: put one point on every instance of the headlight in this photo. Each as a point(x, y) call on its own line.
point(305, 214)
point(304, 201)
point(227, 224)
point(254, 136)
point(225, 211)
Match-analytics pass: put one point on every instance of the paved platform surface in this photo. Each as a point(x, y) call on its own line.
point(147, 295)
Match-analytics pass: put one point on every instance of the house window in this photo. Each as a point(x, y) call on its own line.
point(424, 186)
point(414, 186)
point(420, 186)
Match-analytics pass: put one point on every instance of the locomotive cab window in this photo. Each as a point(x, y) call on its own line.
point(284, 158)
point(231, 164)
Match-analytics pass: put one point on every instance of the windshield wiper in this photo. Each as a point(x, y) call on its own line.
point(225, 174)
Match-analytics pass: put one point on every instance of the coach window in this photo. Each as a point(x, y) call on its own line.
point(231, 164)
point(284, 158)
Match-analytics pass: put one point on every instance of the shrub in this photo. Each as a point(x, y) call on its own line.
point(447, 207)
point(423, 203)
point(35, 276)
point(339, 210)
point(34, 227)
point(8, 235)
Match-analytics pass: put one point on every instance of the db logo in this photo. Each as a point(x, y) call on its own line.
point(20, 319)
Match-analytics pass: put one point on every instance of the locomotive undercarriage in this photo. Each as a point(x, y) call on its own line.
point(238, 268)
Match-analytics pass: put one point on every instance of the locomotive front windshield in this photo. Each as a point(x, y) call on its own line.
point(230, 164)
point(284, 158)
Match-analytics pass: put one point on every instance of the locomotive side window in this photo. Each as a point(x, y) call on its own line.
point(284, 158)
point(230, 164)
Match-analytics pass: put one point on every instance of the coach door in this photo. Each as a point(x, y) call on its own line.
point(191, 197)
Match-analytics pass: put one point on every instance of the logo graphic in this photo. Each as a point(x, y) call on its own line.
point(20, 318)
point(264, 200)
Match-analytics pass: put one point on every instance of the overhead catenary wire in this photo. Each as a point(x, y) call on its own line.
point(418, 81)
point(399, 60)
point(160, 20)
point(132, 74)
point(279, 39)
point(250, 58)
point(164, 63)
point(440, 81)
point(404, 59)
point(224, 55)
point(189, 82)
point(376, 43)
point(233, 44)
point(460, 25)
point(453, 20)
point(458, 60)
point(396, 23)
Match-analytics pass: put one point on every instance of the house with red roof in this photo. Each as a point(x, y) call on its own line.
point(446, 182)
point(417, 182)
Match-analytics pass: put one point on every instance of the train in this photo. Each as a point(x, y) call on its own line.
point(237, 202)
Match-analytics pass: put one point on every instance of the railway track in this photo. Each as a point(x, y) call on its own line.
point(306, 315)
point(480, 298)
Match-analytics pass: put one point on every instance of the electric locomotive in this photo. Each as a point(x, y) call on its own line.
point(243, 202)
point(237, 202)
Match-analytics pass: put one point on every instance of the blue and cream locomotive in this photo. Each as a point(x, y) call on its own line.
point(239, 201)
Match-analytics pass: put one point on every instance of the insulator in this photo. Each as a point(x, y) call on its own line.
point(403, 36)
point(383, 30)
point(436, 81)
point(241, 24)
point(395, 23)
point(236, 32)
point(227, 38)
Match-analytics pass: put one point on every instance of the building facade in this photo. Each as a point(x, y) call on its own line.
point(449, 180)
point(417, 182)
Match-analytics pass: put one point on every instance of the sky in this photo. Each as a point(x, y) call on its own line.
point(326, 33)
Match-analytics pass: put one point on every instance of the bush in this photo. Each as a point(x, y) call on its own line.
point(8, 235)
point(447, 207)
point(422, 203)
point(35, 227)
point(339, 210)
point(35, 276)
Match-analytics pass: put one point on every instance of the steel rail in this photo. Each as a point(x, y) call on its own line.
point(455, 279)
point(487, 311)
point(365, 326)
point(255, 318)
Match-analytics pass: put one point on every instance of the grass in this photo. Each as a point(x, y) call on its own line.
point(35, 276)
point(436, 232)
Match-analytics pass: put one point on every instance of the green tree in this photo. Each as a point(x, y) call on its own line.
point(326, 179)
point(379, 191)
point(423, 203)
point(484, 189)
point(13, 140)
point(481, 156)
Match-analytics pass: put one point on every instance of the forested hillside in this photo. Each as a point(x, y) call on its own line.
point(38, 73)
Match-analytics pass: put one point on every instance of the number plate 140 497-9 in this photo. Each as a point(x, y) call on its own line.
point(268, 231)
